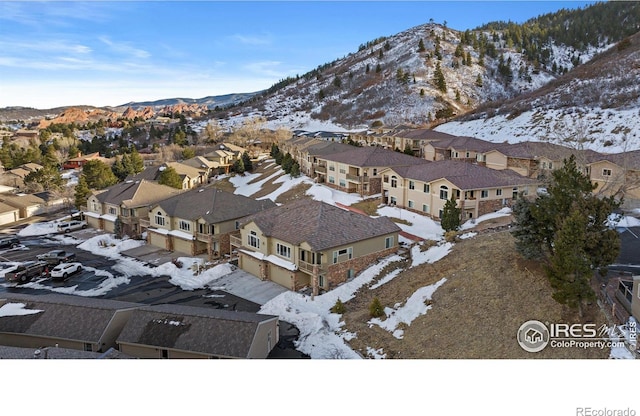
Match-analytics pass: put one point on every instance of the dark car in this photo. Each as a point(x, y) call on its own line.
point(9, 241)
point(56, 257)
point(26, 271)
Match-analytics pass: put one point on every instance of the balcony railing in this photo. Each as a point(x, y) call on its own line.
point(206, 237)
point(235, 241)
point(305, 267)
point(356, 178)
point(320, 169)
point(144, 223)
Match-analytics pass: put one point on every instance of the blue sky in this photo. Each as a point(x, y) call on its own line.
point(109, 53)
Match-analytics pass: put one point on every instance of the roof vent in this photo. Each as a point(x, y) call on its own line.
point(200, 190)
point(128, 181)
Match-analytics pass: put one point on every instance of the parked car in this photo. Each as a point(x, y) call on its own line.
point(9, 241)
point(56, 257)
point(63, 270)
point(26, 271)
point(68, 226)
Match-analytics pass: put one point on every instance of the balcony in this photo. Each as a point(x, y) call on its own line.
point(357, 179)
point(144, 223)
point(206, 237)
point(321, 169)
point(305, 267)
point(235, 241)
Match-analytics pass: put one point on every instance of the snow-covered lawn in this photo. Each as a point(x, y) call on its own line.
point(420, 225)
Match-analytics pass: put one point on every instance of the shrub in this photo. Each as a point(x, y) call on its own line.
point(375, 308)
point(338, 307)
point(450, 236)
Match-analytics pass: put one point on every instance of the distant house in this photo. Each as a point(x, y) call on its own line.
point(222, 159)
point(28, 205)
point(75, 322)
point(8, 214)
point(177, 331)
point(202, 163)
point(468, 149)
point(307, 150)
point(617, 174)
point(200, 221)
point(189, 175)
point(15, 177)
point(79, 161)
point(358, 170)
point(129, 201)
point(477, 189)
point(308, 243)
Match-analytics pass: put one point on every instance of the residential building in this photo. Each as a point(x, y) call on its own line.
point(306, 151)
point(477, 189)
point(202, 163)
point(617, 174)
point(128, 201)
point(358, 170)
point(28, 205)
point(179, 331)
point(308, 243)
point(200, 220)
point(74, 322)
point(79, 161)
point(15, 177)
point(8, 214)
point(190, 176)
point(468, 149)
point(222, 159)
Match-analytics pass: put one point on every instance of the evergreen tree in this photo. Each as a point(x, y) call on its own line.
point(188, 153)
point(479, 81)
point(567, 227)
point(238, 166)
point(438, 79)
point(287, 162)
point(450, 220)
point(295, 169)
point(378, 69)
point(468, 61)
point(246, 161)
point(408, 150)
point(98, 175)
point(421, 47)
point(82, 192)
point(338, 307)
point(117, 227)
point(45, 179)
point(170, 177)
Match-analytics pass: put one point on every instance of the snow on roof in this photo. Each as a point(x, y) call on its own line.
point(16, 309)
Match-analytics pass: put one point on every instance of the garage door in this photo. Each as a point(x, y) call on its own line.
point(158, 240)
point(250, 265)
point(183, 246)
point(8, 217)
point(280, 276)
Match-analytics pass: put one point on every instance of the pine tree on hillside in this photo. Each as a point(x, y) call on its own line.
point(450, 220)
point(438, 79)
point(170, 177)
point(246, 161)
point(421, 47)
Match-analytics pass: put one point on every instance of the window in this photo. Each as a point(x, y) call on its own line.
point(94, 206)
point(425, 188)
point(394, 182)
point(606, 172)
point(342, 170)
point(237, 225)
point(343, 183)
point(165, 353)
point(283, 251)
point(544, 165)
point(514, 193)
point(321, 281)
point(484, 194)
point(375, 171)
point(393, 201)
point(550, 165)
point(332, 179)
point(410, 204)
point(412, 185)
point(425, 208)
point(498, 192)
point(159, 219)
point(253, 240)
point(332, 168)
point(385, 179)
point(444, 192)
point(468, 155)
point(184, 225)
point(113, 211)
point(388, 242)
point(88, 346)
point(344, 252)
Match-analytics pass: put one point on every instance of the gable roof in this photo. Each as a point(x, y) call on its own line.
point(375, 157)
point(205, 330)
point(213, 205)
point(321, 225)
point(200, 162)
point(62, 316)
point(628, 160)
point(464, 143)
point(136, 193)
point(423, 134)
point(22, 200)
point(152, 173)
point(463, 175)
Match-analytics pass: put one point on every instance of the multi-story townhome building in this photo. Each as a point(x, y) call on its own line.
point(468, 149)
point(477, 189)
point(129, 201)
point(358, 170)
point(308, 243)
point(617, 174)
point(200, 220)
point(306, 152)
point(190, 176)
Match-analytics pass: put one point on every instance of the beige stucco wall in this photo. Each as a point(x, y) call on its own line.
point(496, 160)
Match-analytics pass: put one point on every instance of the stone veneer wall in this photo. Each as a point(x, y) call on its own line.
point(337, 273)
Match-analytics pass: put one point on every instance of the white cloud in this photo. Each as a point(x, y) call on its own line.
point(125, 48)
point(253, 39)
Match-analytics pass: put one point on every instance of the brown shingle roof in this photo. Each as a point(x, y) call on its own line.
point(136, 193)
point(375, 157)
point(213, 205)
point(321, 225)
point(463, 175)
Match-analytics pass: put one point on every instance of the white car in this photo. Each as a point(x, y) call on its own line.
point(63, 270)
point(68, 226)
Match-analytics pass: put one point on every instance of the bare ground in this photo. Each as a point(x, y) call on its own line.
point(490, 291)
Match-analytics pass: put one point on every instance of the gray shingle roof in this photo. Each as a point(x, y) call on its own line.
point(464, 175)
point(204, 330)
point(321, 225)
point(62, 316)
point(213, 205)
point(374, 156)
